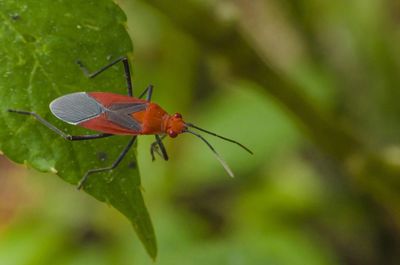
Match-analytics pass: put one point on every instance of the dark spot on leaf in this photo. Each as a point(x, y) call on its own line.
point(132, 164)
point(102, 156)
point(15, 16)
point(29, 38)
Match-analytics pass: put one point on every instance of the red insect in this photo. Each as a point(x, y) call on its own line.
point(114, 114)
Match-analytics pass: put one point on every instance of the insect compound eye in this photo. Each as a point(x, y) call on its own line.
point(172, 133)
point(177, 116)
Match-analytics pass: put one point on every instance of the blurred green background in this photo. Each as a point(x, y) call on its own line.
point(312, 87)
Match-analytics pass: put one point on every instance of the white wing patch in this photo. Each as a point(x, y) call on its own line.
point(76, 108)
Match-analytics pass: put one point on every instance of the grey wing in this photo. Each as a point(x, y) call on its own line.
point(75, 108)
point(128, 107)
point(120, 114)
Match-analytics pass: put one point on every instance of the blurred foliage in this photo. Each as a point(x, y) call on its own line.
point(311, 86)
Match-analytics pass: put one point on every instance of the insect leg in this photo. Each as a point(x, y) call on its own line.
point(114, 165)
point(162, 147)
point(58, 131)
point(148, 91)
point(124, 60)
point(158, 144)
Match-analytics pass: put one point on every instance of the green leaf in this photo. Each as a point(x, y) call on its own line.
point(40, 43)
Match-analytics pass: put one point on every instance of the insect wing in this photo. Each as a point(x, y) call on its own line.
point(75, 108)
point(121, 114)
point(105, 112)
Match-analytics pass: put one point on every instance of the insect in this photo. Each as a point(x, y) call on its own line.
point(115, 114)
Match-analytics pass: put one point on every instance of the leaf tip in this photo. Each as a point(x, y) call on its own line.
point(53, 170)
point(1, 153)
point(152, 253)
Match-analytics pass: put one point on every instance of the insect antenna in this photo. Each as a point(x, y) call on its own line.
point(219, 136)
point(223, 163)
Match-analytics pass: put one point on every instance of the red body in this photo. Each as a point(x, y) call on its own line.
point(153, 120)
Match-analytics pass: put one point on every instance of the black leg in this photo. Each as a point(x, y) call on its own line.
point(148, 91)
point(158, 144)
point(58, 131)
point(124, 60)
point(114, 165)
